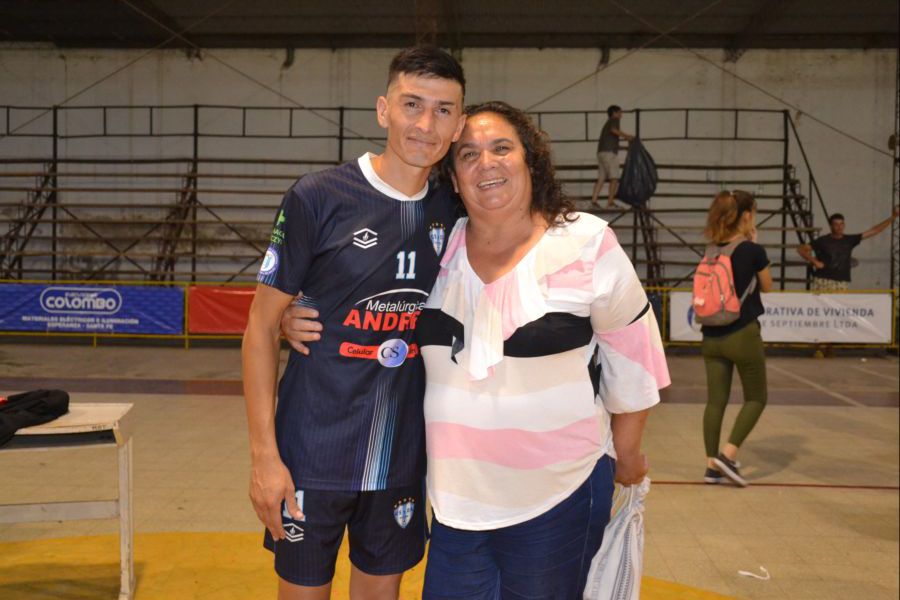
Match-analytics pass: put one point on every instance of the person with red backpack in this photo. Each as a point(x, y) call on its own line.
point(727, 303)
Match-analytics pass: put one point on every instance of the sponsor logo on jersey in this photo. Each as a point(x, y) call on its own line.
point(403, 511)
point(385, 353)
point(374, 314)
point(365, 238)
point(81, 300)
point(392, 353)
point(386, 311)
point(277, 237)
point(436, 233)
point(269, 263)
point(376, 320)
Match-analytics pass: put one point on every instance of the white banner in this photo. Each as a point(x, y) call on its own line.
point(802, 317)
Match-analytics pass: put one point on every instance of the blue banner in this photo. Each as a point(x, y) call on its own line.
point(63, 308)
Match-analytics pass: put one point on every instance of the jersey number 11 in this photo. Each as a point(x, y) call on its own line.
point(406, 265)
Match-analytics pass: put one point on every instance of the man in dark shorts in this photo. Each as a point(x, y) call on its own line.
point(344, 449)
point(607, 155)
point(833, 252)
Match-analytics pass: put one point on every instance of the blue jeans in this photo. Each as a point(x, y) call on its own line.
point(545, 558)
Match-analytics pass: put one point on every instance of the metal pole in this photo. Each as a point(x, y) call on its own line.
point(634, 227)
point(340, 134)
point(895, 199)
point(194, 168)
point(784, 201)
point(53, 195)
point(634, 237)
point(895, 195)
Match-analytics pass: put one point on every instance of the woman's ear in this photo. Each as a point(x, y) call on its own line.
point(455, 183)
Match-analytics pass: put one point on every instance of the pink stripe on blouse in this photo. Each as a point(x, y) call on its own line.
point(637, 343)
point(515, 448)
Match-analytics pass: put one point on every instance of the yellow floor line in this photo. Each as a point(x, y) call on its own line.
point(183, 566)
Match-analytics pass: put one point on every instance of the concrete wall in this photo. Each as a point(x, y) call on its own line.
point(852, 90)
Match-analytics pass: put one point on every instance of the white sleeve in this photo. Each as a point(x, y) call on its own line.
point(631, 357)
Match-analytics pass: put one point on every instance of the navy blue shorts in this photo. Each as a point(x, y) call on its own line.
point(386, 530)
point(545, 558)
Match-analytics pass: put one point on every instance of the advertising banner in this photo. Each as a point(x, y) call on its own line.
point(802, 318)
point(219, 309)
point(65, 308)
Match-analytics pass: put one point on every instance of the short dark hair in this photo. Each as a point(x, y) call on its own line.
point(547, 196)
point(613, 109)
point(835, 217)
point(427, 61)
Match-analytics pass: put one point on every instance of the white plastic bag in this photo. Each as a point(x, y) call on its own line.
point(616, 569)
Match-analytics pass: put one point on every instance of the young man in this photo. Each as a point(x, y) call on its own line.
point(345, 447)
point(832, 260)
point(607, 155)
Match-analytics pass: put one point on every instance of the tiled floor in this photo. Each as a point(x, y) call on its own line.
point(821, 514)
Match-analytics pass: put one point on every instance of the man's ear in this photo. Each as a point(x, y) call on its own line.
point(459, 127)
point(381, 109)
point(455, 183)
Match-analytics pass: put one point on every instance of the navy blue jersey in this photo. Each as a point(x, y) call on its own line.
point(349, 415)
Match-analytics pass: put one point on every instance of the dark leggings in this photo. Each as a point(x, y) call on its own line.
point(742, 349)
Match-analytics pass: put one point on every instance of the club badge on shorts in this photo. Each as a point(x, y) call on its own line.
point(293, 531)
point(403, 511)
point(437, 234)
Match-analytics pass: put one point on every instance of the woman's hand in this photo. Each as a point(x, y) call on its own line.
point(631, 470)
point(627, 429)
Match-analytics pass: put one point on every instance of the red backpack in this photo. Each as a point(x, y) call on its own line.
point(715, 301)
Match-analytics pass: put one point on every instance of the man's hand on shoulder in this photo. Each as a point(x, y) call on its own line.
point(299, 326)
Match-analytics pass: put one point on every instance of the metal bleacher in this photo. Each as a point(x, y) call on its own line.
point(189, 193)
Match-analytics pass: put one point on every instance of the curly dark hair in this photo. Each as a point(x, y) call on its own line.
point(547, 196)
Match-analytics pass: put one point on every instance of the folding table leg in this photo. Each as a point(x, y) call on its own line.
point(126, 526)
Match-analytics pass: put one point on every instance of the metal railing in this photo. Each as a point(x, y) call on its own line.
point(210, 169)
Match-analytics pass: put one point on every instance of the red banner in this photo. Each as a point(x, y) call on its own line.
point(219, 309)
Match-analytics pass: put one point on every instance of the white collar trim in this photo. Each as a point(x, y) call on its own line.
point(368, 171)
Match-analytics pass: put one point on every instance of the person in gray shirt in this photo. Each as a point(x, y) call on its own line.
point(607, 159)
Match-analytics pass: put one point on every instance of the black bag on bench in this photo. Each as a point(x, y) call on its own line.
point(30, 408)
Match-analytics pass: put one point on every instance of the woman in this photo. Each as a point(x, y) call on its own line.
point(543, 357)
point(732, 218)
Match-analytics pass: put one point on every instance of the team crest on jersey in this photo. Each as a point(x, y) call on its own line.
point(403, 511)
point(269, 263)
point(437, 233)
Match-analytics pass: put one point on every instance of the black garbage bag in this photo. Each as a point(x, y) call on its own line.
point(638, 176)
point(30, 408)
